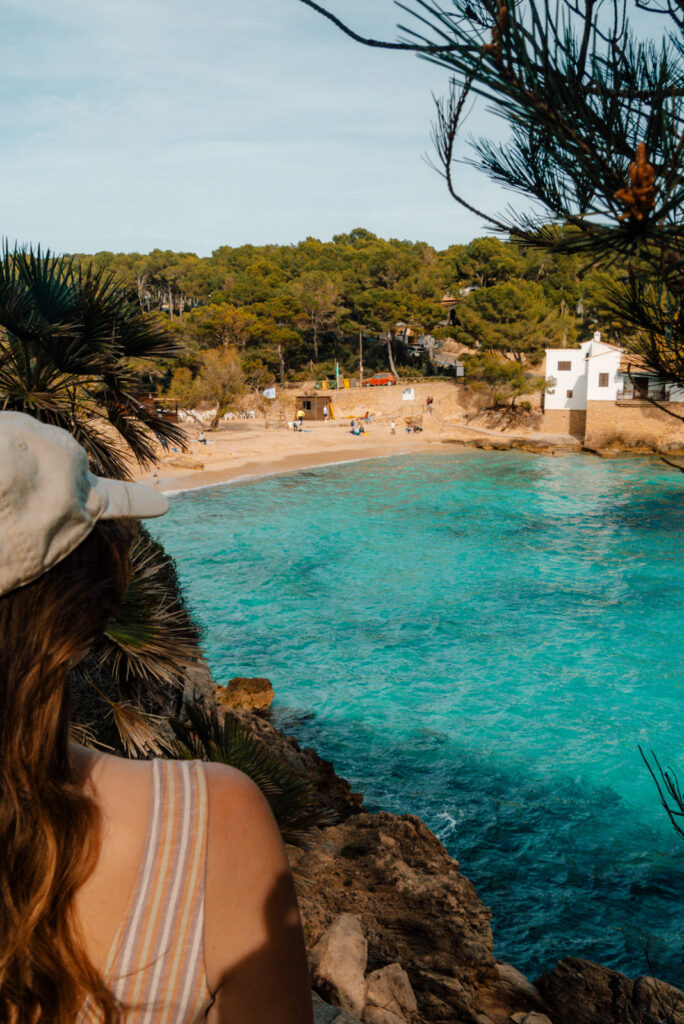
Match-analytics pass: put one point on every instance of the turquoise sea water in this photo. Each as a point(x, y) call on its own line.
point(482, 639)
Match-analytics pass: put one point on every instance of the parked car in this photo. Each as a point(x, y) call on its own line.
point(380, 380)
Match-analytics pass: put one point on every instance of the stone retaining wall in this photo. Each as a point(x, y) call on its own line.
point(634, 422)
point(629, 423)
point(565, 421)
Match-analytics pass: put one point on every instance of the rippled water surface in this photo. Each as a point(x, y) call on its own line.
point(482, 639)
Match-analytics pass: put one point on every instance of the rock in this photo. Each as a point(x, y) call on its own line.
point(389, 997)
point(518, 987)
point(338, 963)
point(246, 694)
point(199, 687)
point(580, 992)
point(376, 1015)
point(415, 907)
point(530, 1018)
point(656, 1001)
point(324, 1013)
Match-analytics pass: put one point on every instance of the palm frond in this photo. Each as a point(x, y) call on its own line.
point(69, 337)
point(141, 662)
point(202, 735)
point(139, 732)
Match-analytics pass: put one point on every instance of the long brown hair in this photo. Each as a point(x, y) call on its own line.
point(49, 832)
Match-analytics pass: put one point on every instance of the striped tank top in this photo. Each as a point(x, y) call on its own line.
point(156, 963)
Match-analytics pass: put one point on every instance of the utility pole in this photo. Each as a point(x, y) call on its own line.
point(360, 358)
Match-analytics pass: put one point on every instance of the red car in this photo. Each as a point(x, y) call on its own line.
point(380, 380)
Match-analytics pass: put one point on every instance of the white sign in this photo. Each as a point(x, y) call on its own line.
point(269, 393)
point(408, 395)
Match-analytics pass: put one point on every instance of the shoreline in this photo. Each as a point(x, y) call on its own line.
point(264, 470)
point(243, 452)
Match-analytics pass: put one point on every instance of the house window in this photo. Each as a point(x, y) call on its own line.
point(569, 393)
point(565, 364)
point(603, 380)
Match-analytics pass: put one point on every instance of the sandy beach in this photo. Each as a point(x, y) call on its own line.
point(246, 449)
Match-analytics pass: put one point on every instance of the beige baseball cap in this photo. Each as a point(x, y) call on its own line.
point(50, 501)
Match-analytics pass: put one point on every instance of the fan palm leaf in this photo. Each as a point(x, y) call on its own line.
point(132, 681)
point(69, 338)
point(202, 735)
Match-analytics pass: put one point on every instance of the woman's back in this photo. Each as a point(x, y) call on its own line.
point(190, 897)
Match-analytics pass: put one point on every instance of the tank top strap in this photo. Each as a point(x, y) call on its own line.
point(156, 966)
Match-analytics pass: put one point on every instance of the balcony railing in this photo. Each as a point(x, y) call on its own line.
point(657, 393)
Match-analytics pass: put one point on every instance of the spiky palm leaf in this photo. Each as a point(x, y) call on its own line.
point(203, 736)
point(69, 337)
point(132, 681)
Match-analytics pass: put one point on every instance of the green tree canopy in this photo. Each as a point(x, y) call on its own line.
point(512, 317)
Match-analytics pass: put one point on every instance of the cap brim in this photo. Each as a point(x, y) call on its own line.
point(130, 501)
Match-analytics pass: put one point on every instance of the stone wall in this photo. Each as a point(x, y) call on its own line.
point(634, 423)
point(565, 421)
point(385, 403)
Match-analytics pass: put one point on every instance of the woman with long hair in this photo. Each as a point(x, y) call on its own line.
point(131, 892)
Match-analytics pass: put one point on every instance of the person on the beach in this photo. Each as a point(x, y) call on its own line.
point(393, 428)
point(131, 891)
point(155, 476)
point(300, 416)
point(201, 438)
point(326, 412)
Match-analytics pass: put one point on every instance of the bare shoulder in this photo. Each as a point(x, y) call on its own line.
point(238, 810)
point(252, 928)
point(245, 855)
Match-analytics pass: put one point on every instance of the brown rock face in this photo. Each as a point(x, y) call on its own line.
point(245, 694)
point(581, 992)
point(416, 909)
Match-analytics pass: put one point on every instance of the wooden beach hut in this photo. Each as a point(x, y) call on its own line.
point(313, 405)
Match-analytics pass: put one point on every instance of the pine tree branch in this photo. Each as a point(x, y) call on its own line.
point(378, 43)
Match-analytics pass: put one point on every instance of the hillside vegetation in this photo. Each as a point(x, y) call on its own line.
point(249, 316)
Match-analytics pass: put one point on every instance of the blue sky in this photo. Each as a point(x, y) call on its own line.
point(158, 123)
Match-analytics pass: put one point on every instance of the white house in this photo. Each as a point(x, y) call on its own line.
point(598, 391)
point(578, 375)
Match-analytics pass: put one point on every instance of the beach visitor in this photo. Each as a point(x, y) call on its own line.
point(155, 476)
point(201, 438)
point(393, 428)
point(132, 890)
